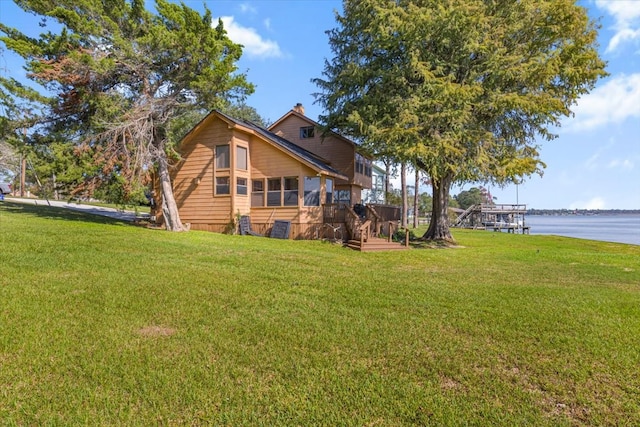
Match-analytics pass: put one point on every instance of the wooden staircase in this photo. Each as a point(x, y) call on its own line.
point(364, 239)
point(375, 244)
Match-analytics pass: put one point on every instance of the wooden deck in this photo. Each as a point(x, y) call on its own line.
point(375, 244)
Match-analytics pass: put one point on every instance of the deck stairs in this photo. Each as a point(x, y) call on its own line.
point(363, 234)
point(465, 214)
point(374, 244)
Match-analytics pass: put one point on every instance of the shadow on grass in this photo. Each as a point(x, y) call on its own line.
point(432, 244)
point(53, 212)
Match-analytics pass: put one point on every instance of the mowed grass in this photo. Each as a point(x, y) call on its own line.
point(105, 323)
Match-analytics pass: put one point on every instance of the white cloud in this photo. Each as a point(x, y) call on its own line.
point(254, 44)
point(626, 15)
point(622, 36)
point(625, 164)
point(247, 8)
point(613, 102)
point(267, 24)
point(594, 203)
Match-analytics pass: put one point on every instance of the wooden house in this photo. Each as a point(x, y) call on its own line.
point(232, 168)
point(341, 153)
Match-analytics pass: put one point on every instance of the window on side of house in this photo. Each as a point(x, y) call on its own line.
point(222, 185)
point(359, 164)
point(291, 191)
point(329, 191)
point(257, 193)
point(307, 132)
point(312, 191)
point(222, 157)
point(241, 158)
point(367, 167)
point(343, 196)
point(241, 186)
point(274, 192)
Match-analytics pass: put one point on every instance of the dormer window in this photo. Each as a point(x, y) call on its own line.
point(307, 132)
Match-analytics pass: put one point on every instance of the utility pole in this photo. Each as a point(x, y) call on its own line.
point(23, 165)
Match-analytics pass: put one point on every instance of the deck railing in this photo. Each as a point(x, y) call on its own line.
point(333, 213)
point(382, 219)
point(375, 218)
point(386, 212)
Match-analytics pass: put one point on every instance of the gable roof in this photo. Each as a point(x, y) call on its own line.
point(314, 123)
point(313, 161)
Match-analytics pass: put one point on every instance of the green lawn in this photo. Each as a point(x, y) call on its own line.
point(102, 323)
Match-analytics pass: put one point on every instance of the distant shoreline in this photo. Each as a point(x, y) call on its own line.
point(586, 212)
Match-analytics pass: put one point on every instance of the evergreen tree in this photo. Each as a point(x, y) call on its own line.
point(462, 89)
point(121, 77)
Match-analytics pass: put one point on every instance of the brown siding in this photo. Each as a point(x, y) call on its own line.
point(193, 177)
point(306, 222)
point(241, 203)
point(339, 153)
point(194, 183)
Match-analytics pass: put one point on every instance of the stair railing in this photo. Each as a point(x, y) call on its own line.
point(365, 232)
point(377, 219)
point(352, 222)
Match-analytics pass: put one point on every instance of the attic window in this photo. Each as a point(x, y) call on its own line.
point(307, 132)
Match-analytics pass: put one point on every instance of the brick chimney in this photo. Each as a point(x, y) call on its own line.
point(298, 108)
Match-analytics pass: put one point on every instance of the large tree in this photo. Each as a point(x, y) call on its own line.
point(462, 89)
point(121, 77)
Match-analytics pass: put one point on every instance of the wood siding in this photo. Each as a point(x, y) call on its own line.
point(194, 177)
point(338, 152)
point(194, 183)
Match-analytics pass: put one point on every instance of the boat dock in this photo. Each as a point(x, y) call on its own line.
point(496, 217)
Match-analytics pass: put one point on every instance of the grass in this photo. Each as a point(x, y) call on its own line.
point(102, 323)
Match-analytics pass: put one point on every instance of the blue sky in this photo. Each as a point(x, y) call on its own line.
point(594, 163)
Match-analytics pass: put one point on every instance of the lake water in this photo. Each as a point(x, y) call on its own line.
point(607, 228)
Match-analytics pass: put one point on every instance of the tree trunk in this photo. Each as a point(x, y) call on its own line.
point(439, 226)
point(56, 195)
point(169, 206)
point(403, 191)
point(415, 199)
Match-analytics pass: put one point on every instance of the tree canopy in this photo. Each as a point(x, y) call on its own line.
point(463, 90)
point(117, 78)
point(473, 196)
